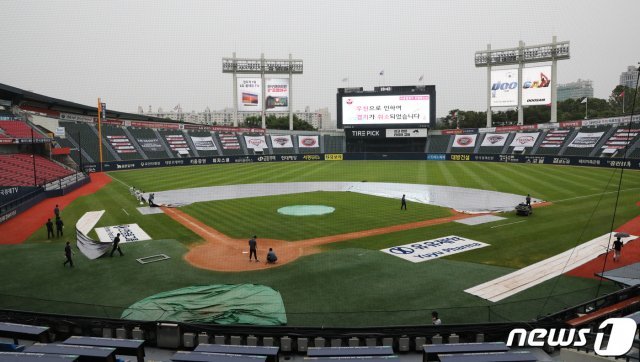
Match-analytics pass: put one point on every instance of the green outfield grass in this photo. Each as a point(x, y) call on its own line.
point(242, 218)
point(351, 283)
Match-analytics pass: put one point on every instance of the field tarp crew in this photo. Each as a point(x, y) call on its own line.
point(67, 253)
point(116, 245)
point(271, 256)
point(253, 248)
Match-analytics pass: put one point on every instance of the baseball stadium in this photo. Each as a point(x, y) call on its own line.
point(389, 230)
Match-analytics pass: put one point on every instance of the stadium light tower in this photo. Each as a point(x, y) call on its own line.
point(263, 67)
point(551, 52)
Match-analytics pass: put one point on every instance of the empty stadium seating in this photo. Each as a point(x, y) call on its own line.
point(84, 135)
point(150, 142)
point(438, 143)
point(18, 129)
point(203, 144)
point(586, 151)
point(18, 170)
point(177, 143)
point(120, 142)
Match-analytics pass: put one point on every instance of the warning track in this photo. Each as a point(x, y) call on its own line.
point(222, 253)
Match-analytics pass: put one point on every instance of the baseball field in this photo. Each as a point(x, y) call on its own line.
point(339, 276)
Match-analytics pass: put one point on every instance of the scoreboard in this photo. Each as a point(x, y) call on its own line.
point(387, 107)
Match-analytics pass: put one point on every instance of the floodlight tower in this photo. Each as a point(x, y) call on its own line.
point(520, 56)
point(262, 67)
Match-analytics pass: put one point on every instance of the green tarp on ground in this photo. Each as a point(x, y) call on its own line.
point(219, 304)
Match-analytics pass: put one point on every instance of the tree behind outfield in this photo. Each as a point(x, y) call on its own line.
point(274, 122)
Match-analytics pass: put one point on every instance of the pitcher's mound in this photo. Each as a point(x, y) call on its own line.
point(306, 210)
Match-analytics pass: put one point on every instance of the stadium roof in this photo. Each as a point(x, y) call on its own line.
point(23, 97)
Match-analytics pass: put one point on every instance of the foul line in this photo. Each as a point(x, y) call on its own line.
point(511, 223)
point(598, 194)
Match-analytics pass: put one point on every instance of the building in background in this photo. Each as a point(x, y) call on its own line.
point(630, 77)
point(575, 90)
point(319, 119)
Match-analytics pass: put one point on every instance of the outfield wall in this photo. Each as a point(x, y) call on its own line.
point(455, 157)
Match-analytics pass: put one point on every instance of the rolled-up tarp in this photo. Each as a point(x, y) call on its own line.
point(92, 249)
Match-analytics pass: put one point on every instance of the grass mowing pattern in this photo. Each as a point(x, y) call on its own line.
point(242, 218)
point(352, 284)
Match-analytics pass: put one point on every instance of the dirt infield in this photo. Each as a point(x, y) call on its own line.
point(18, 229)
point(222, 253)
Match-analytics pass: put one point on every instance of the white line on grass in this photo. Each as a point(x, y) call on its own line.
point(125, 211)
point(598, 194)
point(511, 223)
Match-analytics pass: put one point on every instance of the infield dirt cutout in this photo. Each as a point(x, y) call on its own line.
point(222, 253)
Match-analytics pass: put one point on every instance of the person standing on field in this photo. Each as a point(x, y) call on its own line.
point(403, 205)
point(67, 253)
point(253, 248)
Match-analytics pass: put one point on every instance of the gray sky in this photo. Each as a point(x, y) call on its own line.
point(162, 53)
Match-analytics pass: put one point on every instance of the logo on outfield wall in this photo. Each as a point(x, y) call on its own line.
point(333, 157)
point(434, 249)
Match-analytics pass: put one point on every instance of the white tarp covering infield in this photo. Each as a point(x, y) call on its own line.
point(458, 198)
point(525, 278)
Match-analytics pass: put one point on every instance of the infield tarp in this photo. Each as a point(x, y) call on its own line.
point(458, 198)
point(92, 249)
point(628, 275)
point(220, 304)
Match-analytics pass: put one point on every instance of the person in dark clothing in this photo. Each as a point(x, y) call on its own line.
point(59, 226)
point(404, 203)
point(56, 211)
point(435, 319)
point(617, 249)
point(253, 248)
point(49, 228)
point(67, 253)
point(116, 245)
point(271, 256)
point(528, 199)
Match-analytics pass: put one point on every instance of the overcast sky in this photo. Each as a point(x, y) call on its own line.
point(162, 53)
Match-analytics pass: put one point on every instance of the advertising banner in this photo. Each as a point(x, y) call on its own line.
point(249, 94)
point(281, 141)
point(150, 144)
point(229, 141)
point(494, 139)
point(434, 248)
point(504, 88)
point(536, 85)
point(407, 133)
point(204, 143)
point(277, 95)
point(465, 140)
point(524, 139)
point(586, 140)
point(255, 142)
point(308, 142)
point(128, 233)
point(398, 109)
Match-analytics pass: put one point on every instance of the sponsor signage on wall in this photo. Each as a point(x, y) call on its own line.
point(465, 140)
point(308, 142)
point(525, 139)
point(150, 144)
point(407, 133)
point(494, 139)
point(536, 85)
point(504, 88)
point(586, 140)
point(434, 248)
point(203, 143)
point(364, 133)
point(281, 141)
point(255, 142)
